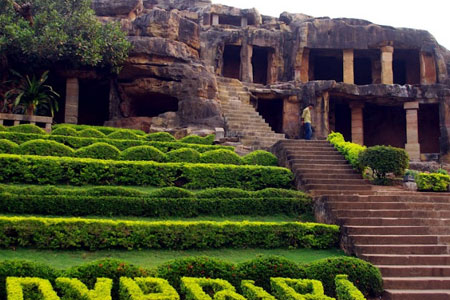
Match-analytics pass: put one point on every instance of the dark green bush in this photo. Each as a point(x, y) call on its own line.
point(384, 159)
point(145, 153)
point(261, 269)
point(260, 157)
point(435, 182)
point(366, 277)
point(98, 151)
point(64, 130)
point(223, 193)
point(7, 146)
point(44, 148)
point(27, 128)
point(123, 135)
point(160, 137)
point(91, 133)
point(113, 191)
point(221, 157)
point(171, 192)
point(3, 128)
point(108, 268)
point(184, 155)
point(200, 266)
point(195, 139)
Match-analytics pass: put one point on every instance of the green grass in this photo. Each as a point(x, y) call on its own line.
point(153, 258)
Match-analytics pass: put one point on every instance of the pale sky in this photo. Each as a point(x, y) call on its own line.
point(431, 15)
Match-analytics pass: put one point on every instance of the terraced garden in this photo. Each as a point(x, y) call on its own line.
point(163, 208)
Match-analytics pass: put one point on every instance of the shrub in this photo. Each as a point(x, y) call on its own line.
point(147, 153)
point(72, 288)
point(123, 135)
point(253, 292)
point(294, 289)
point(351, 151)
point(107, 268)
point(195, 139)
point(7, 146)
point(146, 288)
point(280, 193)
point(171, 192)
point(345, 290)
point(260, 157)
point(20, 288)
point(65, 130)
point(223, 193)
point(113, 191)
point(98, 151)
point(432, 182)
point(200, 266)
point(44, 148)
point(3, 128)
point(221, 157)
point(91, 133)
point(366, 276)
point(194, 289)
point(160, 137)
point(27, 128)
point(263, 268)
point(184, 155)
point(384, 159)
point(104, 129)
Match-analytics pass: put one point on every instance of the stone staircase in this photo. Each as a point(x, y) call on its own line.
point(405, 234)
point(241, 118)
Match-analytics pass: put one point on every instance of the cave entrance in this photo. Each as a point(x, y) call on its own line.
point(429, 131)
point(340, 117)
point(384, 125)
point(260, 64)
point(363, 66)
point(152, 105)
point(232, 61)
point(406, 66)
point(93, 105)
point(326, 65)
point(58, 83)
point(272, 111)
point(230, 20)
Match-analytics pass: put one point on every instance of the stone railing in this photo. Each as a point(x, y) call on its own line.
point(17, 119)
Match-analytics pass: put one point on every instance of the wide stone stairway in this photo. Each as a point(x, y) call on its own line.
point(242, 120)
point(405, 234)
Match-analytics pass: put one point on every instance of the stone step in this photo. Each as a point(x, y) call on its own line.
point(395, 239)
point(319, 175)
point(391, 213)
point(417, 283)
point(387, 230)
point(288, 143)
point(389, 205)
point(316, 156)
point(339, 192)
point(401, 249)
point(407, 260)
point(413, 294)
point(399, 199)
point(336, 182)
point(310, 147)
point(395, 221)
point(294, 154)
point(349, 187)
point(310, 169)
point(413, 271)
point(267, 134)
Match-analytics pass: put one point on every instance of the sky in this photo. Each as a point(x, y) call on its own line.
point(431, 15)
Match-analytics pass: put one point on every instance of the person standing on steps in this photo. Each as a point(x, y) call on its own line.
point(306, 121)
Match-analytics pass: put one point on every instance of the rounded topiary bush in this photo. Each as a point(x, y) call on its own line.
point(221, 156)
point(27, 128)
point(183, 155)
point(98, 151)
point(279, 193)
point(171, 192)
point(195, 139)
point(223, 193)
point(113, 191)
point(161, 137)
point(143, 153)
point(260, 157)
point(2, 128)
point(365, 276)
point(44, 148)
point(197, 267)
point(123, 135)
point(65, 130)
point(6, 146)
point(91, 133)
point(261, 269)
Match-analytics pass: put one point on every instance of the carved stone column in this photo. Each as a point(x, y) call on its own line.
point(387, 56)
point(304, 69)
point(215, 20)
point(349, 76)
point(320, 117)
point(427, 68)
point(412, 130)
point(291, 117)
point(357, 122)
point(246, 63)
point(244, 22)
point(72, 97)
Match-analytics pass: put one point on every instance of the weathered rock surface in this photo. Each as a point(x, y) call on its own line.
point(116, 7)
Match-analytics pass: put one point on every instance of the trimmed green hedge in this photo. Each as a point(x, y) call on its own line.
point(92, 234)
point(294, 289)
point(195, 139)
point(44, 148)
point(27, 128)
point(146, 288)
point(345, 290)
point(350, 150)
point(8, 146)
point(260, 157)
point(221, 156)
point(98, 151)
point(384, 159)
point(64, 130)
point(253, 292)
point(104, 129)
point(91, 133)
point(123, 135)
point(78, 171)
point(184, 155)
point(3, 128)
point(144, 153)
point(435, 182)
point(33, 288)
point(160, 137)
point(194, 289)
point(73, 288)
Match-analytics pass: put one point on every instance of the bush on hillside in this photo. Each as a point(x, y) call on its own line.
point(221, 157)
point(7, 146)
point(27, 128)
point(123, 135)
point(91, 133)
point(145, 153)
point(65, 130)
point(160, 137)
point(98, 151)
point(171, 192)
point(435, 182)
point(184, 155)
point(346, 290)
point(260, 157)
point(44, 148)
point(195, 139)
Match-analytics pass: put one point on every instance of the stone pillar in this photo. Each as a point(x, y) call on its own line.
point(349, 76)
point(246, 63)
point(304, 67)
point(427, 68)
point(412, 130)
point(215, 20)
point(376, 71)
point(444, 124)
point(244, 22)
point(357, 122)
point(320, 116)
point(387, 56)
point(291, 117)
point(72, 94)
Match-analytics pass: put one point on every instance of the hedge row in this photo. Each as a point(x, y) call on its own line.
point(434, 182)
point(346, 290)
point(251, 275)
point(293, 289)
point(78, 171)
point(104, 129)
point(76, 142)
point(93, 234)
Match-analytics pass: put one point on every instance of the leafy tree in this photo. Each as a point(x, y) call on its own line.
point(42, 33)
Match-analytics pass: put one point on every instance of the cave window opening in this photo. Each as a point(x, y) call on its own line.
point(327, 65)
point(340, 117)
point(429, 130)
point(230, 20)
point(272, 112)
point(93, 105)
point(406, 67)
point(232, 61)
point(260, 64)
point(152, 105)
